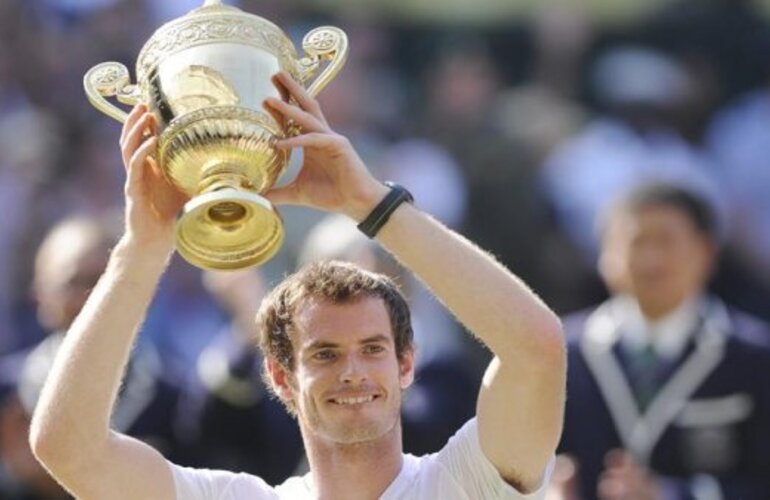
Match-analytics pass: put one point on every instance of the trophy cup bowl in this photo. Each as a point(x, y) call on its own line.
point(205, 76)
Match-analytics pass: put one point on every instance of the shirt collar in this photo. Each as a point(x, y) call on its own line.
point(668, 335)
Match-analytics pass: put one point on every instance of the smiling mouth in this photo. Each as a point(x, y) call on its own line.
point(354, 400)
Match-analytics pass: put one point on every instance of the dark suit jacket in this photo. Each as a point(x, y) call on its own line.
point(707, 430)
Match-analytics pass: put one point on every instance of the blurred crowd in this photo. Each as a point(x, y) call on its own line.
point(519, 135)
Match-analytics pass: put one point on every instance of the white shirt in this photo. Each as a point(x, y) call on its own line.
point(459, 471)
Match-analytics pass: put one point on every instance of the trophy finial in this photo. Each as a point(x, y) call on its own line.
point(214, 6)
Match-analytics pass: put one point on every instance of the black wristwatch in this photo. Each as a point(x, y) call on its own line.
point(382, 212)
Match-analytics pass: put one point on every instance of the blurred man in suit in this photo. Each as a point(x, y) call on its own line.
point(664, 398)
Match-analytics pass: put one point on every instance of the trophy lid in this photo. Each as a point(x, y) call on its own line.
point(213, 22)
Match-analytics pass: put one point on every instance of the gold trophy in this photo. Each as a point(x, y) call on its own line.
point(205, 77)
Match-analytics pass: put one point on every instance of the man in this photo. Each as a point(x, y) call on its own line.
point(342, 368)
point(67, 265)
point(666, 397)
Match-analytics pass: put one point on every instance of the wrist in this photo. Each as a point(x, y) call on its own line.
point(367, 200)
point(134, 253)
point(380, 215)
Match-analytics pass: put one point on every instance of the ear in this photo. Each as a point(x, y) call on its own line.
point(611, 266)
point(406, 368)
point(710, 256)
point(280, 379)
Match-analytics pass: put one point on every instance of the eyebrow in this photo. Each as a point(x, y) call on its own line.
point(319, 344)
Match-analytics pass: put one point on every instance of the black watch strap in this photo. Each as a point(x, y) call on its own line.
point(382, 212)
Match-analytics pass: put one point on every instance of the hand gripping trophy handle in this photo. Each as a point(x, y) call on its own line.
point(110, 79)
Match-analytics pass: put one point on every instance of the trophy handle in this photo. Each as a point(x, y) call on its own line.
point(324, 42)
point(110, 79)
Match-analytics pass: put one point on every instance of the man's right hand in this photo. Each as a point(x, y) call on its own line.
point(624, 478)
point(152, 203)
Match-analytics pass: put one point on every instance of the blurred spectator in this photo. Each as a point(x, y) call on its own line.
point(68, 264)
point(464, 115)
point(533, 119)
point(738, 140)
point(433, 176)
point(662, 393)
point(183, 318)
point(545, 110)
point(26, 170)
point(631, 143)
point(725, 38)
point(227, 418)
point(21, 476)
point(459, 93)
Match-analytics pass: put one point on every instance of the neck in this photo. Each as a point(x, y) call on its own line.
point(653, 313)
point(354, 471)
point(656, 311)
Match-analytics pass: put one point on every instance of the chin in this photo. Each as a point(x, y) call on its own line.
point(358, 430)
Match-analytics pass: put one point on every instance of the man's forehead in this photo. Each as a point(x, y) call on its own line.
point(318, 318)
point(317, 304)
point(631, 217)
point(78, 263)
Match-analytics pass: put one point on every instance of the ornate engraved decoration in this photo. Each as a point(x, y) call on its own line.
point(322, 43)
point(236, 113)
point(321, 40)
point(214, 24)
point(109, 77)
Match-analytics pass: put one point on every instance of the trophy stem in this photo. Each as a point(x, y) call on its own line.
point(225, 212)
point(223, 181)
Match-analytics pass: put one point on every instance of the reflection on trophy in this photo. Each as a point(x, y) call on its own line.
point(205, 76)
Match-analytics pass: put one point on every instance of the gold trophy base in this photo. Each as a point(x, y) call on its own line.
point(228, 229)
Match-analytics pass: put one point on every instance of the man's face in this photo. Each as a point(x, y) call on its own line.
point(63, 287)
point(657, 255)
point(347, 382)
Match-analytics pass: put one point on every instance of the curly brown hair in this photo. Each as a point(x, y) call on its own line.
point(337, 282)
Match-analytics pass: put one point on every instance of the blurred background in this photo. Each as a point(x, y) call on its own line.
point(513, 121)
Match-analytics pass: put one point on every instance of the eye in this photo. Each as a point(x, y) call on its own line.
point(373, 349)
point(324, 355)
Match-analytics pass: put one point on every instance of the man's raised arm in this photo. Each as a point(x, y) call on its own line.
point(521, 403)
point(70, 431)
point(520, 406)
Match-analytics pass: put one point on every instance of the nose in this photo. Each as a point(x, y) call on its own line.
point(353, 372)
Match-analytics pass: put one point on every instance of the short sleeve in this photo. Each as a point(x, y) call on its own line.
point(205, 484)
point(464, 459)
